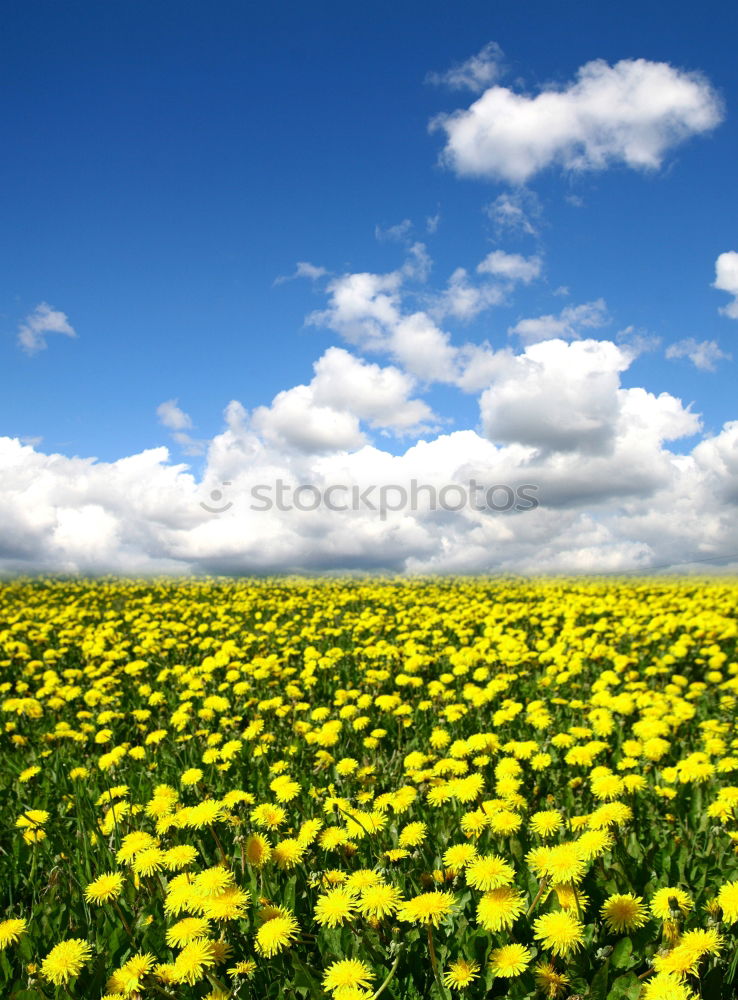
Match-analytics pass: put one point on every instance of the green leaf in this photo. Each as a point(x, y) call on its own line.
point(598, 986)
point(622, 953)
point(625, 987)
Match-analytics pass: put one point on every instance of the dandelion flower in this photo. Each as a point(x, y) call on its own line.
point(66, 961)
point(624, 912)
point(461, 973)
point(191, 963)
point(288, 853)
point(662, 899)
point(228, 905)
point(728, 901)
point(179, 857)
point(546, 823)
point(456, 858)
point(346, 974)
point(332, 908)
point(246, 968)
point(498, 908)
point(104, 888)
point(666, 986)
point(11, 930)
point(428, 908)
point(564, 863)
point(130, 975)
point(213, 881)
point(413, 835)
point(510, 960)
point(489, 871)
point(187, 930)
point(549, 981)
point(560, 932)
point(276, 934)
point(258, 850)
point(379, 901)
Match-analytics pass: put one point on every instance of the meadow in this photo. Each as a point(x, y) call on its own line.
point(348, 789)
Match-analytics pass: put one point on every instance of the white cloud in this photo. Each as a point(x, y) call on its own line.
point(612, 495)
point(633, 112)
point(296, 420)
point(303, 269)
point(381, 396)
point(432, 223)
point(397, 233)
point(423, 348)
point(179, 423)
point(171, 416)
point(726, 279)
point(557, 397)
point(43, 320)
point(517, 212)
point(567, 325)
point(512, 266)
point(464, 300)
point(325, 416)
point(703, 354)
point(475, 73)
point(368, 310)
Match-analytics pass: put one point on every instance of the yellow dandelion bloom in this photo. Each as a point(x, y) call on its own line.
point(727, 899)
point(275, 935)
point(334, 907)
point(489, 871)
point(559, 932)
point(104, 888)
point(456, 858)
point(498, 909)
point(427, 908)
point(187, 930)
point(11, 930)
point(461, 973)
point(379, 901)
point(346, 974)
point(665, 902)
point(66, 961)
point(624, 912)
point(192, 963)
point(549, 981)
point(510, 960)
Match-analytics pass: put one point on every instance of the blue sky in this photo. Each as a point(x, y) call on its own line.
point(164, 164)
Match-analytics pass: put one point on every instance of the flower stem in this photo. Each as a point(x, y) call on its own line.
point(434, 962)
point(388, 978)
point(541, 890)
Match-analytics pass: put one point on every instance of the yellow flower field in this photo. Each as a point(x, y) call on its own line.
point(350, 789)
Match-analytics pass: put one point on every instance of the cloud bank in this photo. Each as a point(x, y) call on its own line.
point(614, 493)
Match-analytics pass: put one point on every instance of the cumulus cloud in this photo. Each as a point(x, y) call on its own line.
point(43, 320)
point(567, 325)
point(369, 311)
point(475, 73)
point(704, 354)
point(557, 397)
point(633, 113)
point(326, 415)
point(726, 279)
